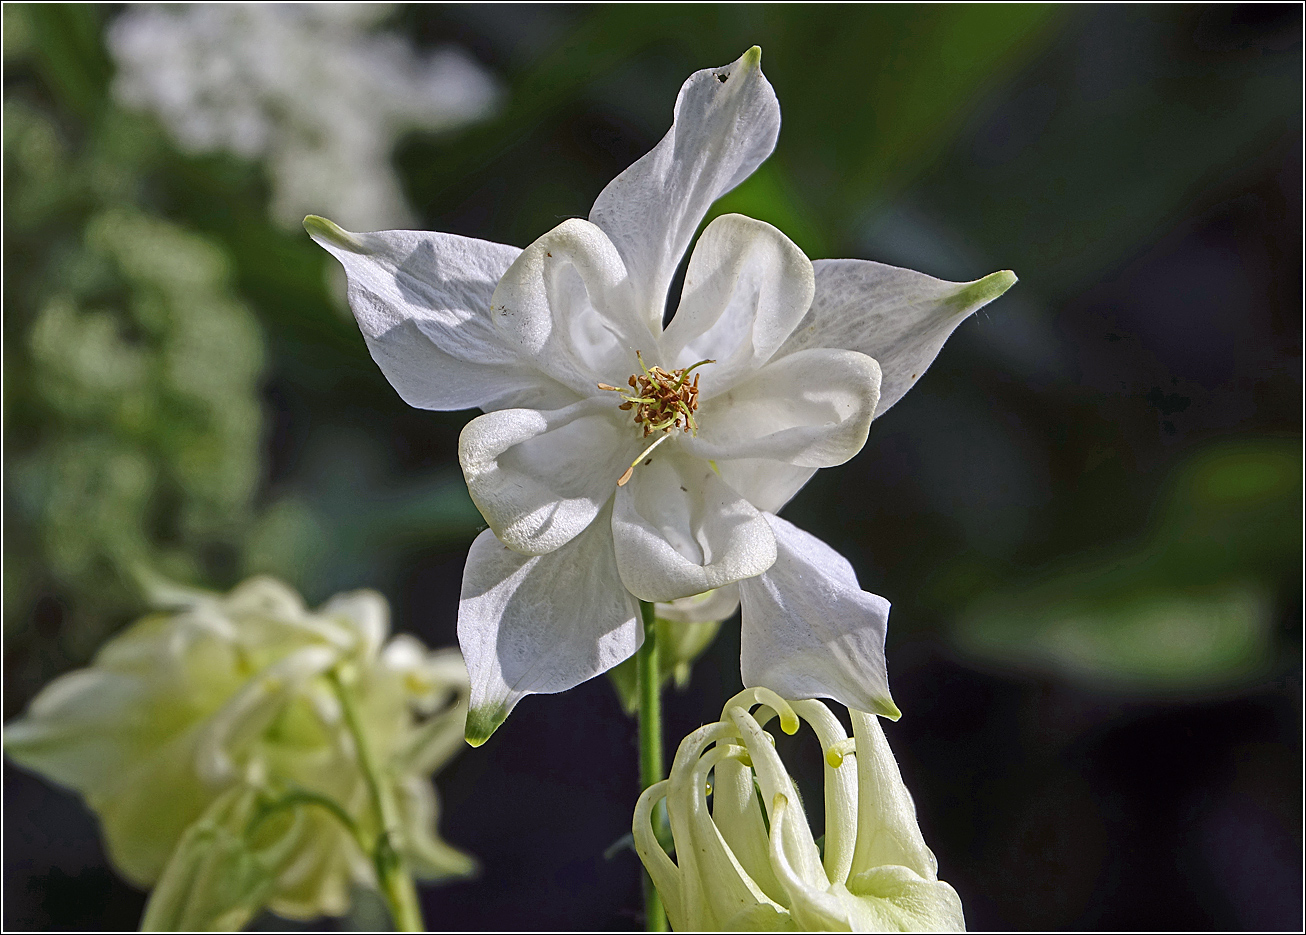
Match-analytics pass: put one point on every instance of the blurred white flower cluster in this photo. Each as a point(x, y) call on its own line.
point(196, 724)
point(306, 87)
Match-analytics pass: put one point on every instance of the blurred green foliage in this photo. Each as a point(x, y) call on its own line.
point(867, 130)
point(136, 432)
point(1100, 153)
point(1191, 607)
point(133, 426)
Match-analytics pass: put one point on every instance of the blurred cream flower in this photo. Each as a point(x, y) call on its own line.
point(222, 702)
point(737, 868)
point(619, 461)
point(307, 87)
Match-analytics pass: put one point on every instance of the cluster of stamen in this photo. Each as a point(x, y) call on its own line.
point(662, 400)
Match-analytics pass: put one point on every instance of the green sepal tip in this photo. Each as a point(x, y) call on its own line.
point(981, 292)
point(482, 722)
point(319, 228)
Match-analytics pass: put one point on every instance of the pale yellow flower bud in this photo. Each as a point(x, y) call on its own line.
point(737, 868)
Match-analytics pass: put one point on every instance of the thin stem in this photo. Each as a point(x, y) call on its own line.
point(296, 797)
point(392, 874)
point(651, 766)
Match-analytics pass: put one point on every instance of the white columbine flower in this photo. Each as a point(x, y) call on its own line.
point(227, 695)
point(619, 460)
point(735, 871)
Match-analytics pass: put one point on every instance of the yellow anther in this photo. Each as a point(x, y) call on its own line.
point(662, 400)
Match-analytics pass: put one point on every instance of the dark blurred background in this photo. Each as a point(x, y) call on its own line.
point(1087, 516)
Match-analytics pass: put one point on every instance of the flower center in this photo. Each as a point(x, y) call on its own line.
point(662, 400)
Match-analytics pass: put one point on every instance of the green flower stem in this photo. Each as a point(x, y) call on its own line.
point(651, 766)
point(392, 874)
point(297, 797)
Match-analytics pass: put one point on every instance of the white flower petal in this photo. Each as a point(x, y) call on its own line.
point(810, 409)
point(680, 530)
point(726, 122)
point(738, 816)
point(893, 898)
point(260, 596)
point(809, 630)
point(768, 485)
point(364, 612)
point(540, 478)
point(89, 727)
point(887, 830)
point(776, 786)
point(69, 732)
point(540, 624)
point(564, 304)
point(840, 791)
point(713, 881)
point(664, 872)
point(148, 806)
point(813, 908)
point(899, 317)
point(247, 713)
point(746, 288)
point(422, 301)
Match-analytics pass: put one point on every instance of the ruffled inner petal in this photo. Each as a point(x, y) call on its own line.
point(680, 530)
point(540, 478)
point(746, 288)
point(709, 607)
point(565, 305)
point(810, 409)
